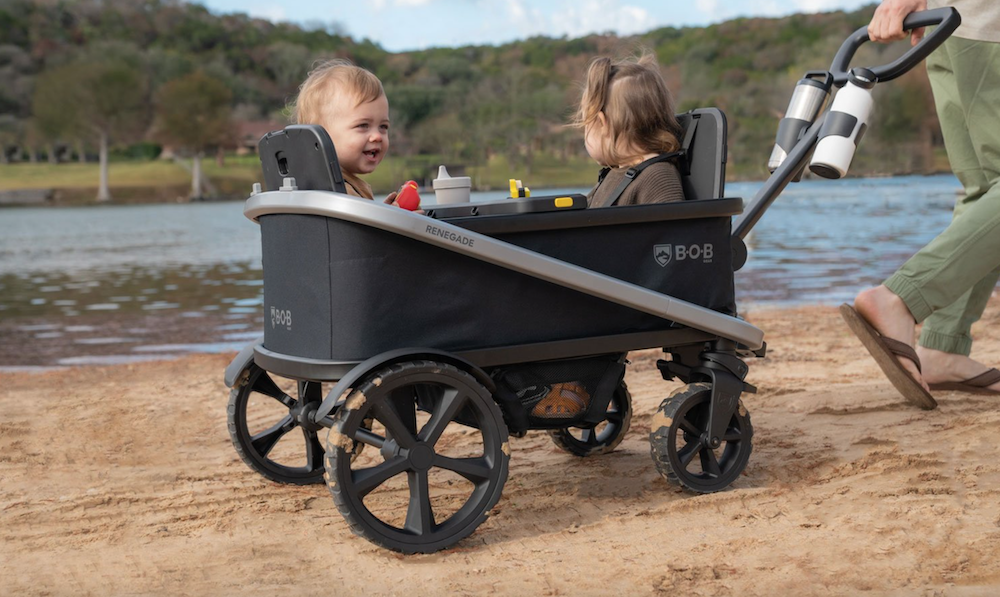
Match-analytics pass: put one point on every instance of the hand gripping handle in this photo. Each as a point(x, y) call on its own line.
point(947, 20)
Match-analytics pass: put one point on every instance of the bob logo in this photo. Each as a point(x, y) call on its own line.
point(664, 254)
point(281, 317)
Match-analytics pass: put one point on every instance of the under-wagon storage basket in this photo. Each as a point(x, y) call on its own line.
point(341, 291)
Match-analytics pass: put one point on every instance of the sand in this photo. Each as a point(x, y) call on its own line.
point(122, 481)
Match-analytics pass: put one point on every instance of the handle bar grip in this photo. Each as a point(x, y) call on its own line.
point(948, 19)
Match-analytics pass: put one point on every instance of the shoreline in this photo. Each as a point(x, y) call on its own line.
point(178, 193)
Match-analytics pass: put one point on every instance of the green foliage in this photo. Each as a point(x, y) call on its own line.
point(57, 112)
point(471, 105)
point(194, 112)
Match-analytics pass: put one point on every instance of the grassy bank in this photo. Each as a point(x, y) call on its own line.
point(159, 180)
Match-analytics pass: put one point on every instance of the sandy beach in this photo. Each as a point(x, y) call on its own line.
point(122, 481)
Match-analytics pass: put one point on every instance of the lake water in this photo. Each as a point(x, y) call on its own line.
point(112, 284)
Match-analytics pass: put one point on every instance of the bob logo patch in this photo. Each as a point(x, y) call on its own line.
point(281, 317)
point(664, 254)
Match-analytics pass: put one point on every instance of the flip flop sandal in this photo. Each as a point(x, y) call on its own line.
point(979, 384)
point(884, 351)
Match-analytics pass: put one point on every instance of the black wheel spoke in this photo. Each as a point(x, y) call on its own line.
point(365, 436)
point(386, 413)
point(732, 435)
point(689, 427)
point(367, 479)
point(444, 412)
point(688, 452)
point(266, 386)
point(420, 515)
point(265, 441)
point(589, 436)
point(314, 451)
point(310, 391)
point(709, 463)
point(473, 469)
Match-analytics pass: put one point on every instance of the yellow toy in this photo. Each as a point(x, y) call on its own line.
point(517, 190)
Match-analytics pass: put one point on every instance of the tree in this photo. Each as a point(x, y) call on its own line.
point(194, 112)
point(56, 114)
point(110, 98)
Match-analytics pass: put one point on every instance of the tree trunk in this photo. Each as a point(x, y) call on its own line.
point(196, 177)
point(32, 155)
point(53, 157)
point(220, 158)
point(103, 194)
point(81, 152)
point(3, 154)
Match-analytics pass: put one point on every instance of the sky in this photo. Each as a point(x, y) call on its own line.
point(401, 25)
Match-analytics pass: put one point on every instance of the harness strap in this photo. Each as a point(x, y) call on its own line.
point(686, 146)
point(632, 172)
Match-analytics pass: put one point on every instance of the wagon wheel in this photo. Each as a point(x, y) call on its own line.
point(679, 441)
point(439, 461)
point(599, 438)
point(271, 430)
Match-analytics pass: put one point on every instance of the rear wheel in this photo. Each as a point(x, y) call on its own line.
point(680, 447)
point(602, 437)
point(437, 458)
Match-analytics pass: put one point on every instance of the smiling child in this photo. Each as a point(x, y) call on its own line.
point(350, 103)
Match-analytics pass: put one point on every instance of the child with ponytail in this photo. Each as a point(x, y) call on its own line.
point(627, 116)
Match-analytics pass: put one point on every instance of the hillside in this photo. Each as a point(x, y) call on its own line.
point(463, 105)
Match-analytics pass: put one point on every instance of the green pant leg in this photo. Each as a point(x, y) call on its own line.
point(949, 328)
point(953, 276)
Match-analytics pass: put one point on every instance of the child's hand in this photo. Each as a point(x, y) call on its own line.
point(390, 199)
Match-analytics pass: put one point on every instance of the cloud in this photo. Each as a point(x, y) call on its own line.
point(819, 5)
point(576, 19)
point(412, 2)
point(709, 7)
point(267, 11)
point(516, 10)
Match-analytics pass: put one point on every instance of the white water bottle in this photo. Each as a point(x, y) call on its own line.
point(844, 126)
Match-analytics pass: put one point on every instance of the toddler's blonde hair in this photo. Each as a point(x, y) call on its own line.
point(636, 103)
point(327, 80)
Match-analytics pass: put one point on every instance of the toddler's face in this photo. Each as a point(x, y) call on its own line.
point(359, 133)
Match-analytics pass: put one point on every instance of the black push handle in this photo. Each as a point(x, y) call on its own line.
point(948, 20)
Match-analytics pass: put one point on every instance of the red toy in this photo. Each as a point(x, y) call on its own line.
point(408, 198)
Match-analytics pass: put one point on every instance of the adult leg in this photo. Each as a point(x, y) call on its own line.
point(962, 256)
point(967, 94)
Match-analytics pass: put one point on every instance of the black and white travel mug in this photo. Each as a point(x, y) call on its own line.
point(808, 98)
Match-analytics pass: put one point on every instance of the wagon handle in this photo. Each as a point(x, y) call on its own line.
point(948, 20)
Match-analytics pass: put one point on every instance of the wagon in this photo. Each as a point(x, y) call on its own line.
point(422, 342)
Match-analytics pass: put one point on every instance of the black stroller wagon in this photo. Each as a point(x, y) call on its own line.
point(423, 341)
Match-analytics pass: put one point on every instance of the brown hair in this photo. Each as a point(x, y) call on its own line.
point(326, 80)
point(636, 103)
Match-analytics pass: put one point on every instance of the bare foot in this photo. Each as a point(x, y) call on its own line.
point(941, 367)
point(888, 314)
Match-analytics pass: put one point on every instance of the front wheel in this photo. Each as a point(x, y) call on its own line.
point(679, 441)
point(271, 430)
point(439, 461)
